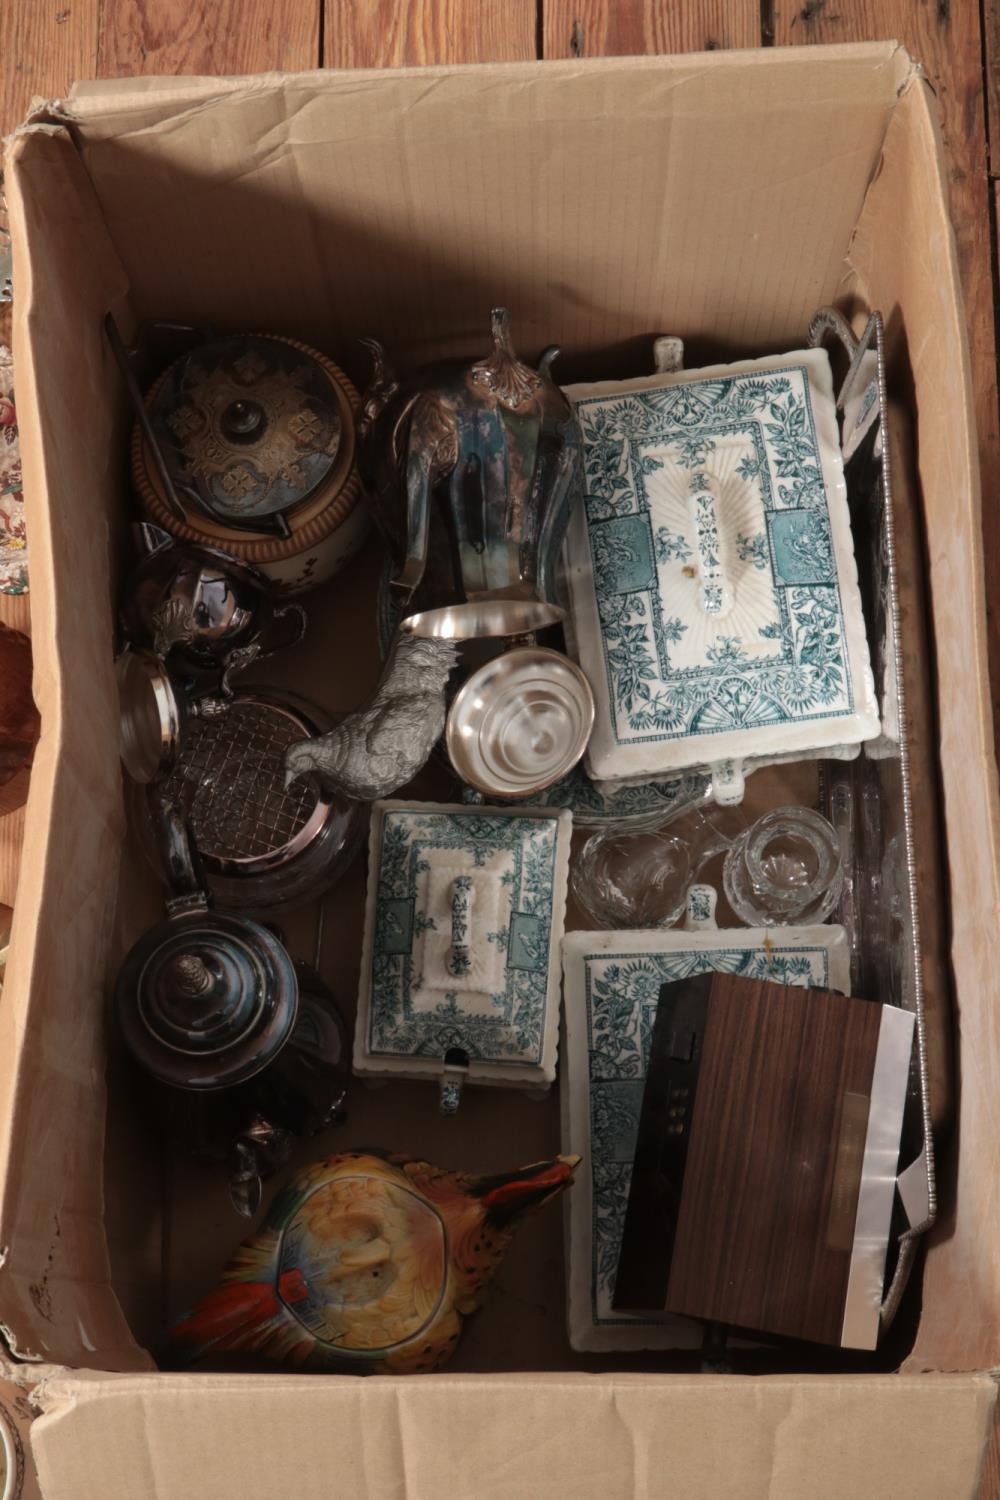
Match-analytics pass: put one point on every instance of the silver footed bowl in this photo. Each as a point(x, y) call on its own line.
point(520, 723)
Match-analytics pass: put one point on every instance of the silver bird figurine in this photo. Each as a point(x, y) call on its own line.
point(380, 747)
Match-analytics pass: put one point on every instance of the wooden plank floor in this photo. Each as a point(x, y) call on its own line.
point(45, 44)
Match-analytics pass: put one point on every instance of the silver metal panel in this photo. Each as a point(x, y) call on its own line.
point(863, 1302)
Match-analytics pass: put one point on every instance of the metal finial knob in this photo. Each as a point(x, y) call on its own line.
point(242, 419)
point(190, 975)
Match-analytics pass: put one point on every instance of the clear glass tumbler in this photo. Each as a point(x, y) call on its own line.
point(632, 879)
point(785, 869)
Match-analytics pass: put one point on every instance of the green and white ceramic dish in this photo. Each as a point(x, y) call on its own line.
point(464, 917)
point(714, 592)
point(612, 983)
point(651, 802)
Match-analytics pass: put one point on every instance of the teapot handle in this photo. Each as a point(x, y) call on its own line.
point(419, 481)
point(180, 859)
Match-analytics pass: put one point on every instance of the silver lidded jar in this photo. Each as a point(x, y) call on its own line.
point(210, 1004)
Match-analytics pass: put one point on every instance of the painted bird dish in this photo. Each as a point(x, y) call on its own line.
point(368, 1263)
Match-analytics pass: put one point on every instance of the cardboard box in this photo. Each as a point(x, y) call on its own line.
point(723, 197)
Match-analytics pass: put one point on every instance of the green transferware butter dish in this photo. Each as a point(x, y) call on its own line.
point(463, 923)
point(612, 984)
point(714, 590)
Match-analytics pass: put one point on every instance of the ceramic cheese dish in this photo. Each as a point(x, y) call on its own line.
point(463, 922)
point(714, 594)
point(612, 984)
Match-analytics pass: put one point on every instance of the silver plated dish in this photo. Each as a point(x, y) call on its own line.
point(262, 844)
point(520, 723)
point(885, 805)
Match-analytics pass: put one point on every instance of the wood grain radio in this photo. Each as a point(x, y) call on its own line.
point(765, 1167)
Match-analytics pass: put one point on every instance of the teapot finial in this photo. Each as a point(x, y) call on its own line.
point(509, 379)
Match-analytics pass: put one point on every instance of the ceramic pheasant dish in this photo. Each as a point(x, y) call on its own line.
point(368, 1263)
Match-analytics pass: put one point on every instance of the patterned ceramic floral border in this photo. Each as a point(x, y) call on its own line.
point(516, 1037)
point(612, 984)
point(13, 534)
point(743, 463)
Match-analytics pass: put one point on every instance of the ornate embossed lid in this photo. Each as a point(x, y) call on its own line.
point(249, 426)
point(206, 1000)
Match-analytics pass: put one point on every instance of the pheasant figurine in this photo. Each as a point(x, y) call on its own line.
point(378, 748)
point(368, 1262)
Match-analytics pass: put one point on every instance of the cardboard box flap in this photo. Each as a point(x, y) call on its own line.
point(54, 1271)
point(903, 251)
point(107, 103)
point(601, 202)
point(18, 1476)
point(597, 1438)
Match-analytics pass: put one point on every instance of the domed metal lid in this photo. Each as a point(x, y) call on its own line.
point(520, 723)
point(249, 427)
point(206, 1000)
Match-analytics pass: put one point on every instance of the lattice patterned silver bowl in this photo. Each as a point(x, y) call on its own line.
point(261, 844)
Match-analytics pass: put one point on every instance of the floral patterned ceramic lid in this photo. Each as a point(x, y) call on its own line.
point(249, 426)
point(612, 984)
point(713, 585)
point(464, 917)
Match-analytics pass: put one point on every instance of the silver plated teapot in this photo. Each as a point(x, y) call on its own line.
point(471, 471)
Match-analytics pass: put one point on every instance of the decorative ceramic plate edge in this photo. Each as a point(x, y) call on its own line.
point(535, 1080)
point(668, 1331)
point(603, 759)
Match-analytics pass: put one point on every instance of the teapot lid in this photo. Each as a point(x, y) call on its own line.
point(250, 426)
point(206, 1000)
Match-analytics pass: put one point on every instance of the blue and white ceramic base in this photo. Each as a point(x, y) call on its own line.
point(714, 595)
point(611, 985)
point(464, 917)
